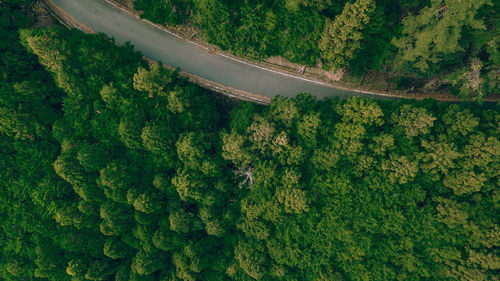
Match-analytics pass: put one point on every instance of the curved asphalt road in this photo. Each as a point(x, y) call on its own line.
point(173, 51)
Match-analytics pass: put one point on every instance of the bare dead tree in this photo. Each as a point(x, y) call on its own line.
point(246, 174)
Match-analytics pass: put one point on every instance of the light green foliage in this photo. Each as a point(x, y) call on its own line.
point(110, 96)
point(76, 268)
point(307, 128)
point(284, 111)
point(413, 120)
point(69, 215)
point(255, 228)
point(435, 32)
point(190, 149)
point(361, 111)
point(188, 185)
point(464, 182)
point(361, 156)
point(460, 122)
point(48, 53)
point(342, 36)
point(439, 157)
point(215, 228)
point(261, 132)
point(400, 169)
point(152, 81)
point(233, 149)
point(293, 199)
point(290, 195)
point(12, 126)
point(382, 144)
point(349, 136)
point(177, 102)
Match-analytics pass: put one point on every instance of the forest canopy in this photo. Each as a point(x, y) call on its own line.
point(112, 168)
point(429, 45)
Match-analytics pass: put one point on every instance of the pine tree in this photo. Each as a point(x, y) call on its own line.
point(342, 37)
point(435, 32)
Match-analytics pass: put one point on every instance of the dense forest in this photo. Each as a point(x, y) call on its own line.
point(115, 169)
point(424, 44)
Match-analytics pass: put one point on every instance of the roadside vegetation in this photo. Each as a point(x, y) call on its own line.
point(419, 46)
point(115, 169)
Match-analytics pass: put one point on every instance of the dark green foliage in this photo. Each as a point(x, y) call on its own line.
point(250, 28)
point(113, 169)
point(214, 18)
point(171, 11)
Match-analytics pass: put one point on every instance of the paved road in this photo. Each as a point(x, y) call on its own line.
point(164, 47)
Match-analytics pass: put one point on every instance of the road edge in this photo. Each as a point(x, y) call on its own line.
point(265, 66)
point(70, 22)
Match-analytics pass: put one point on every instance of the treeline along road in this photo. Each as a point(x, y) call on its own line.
point(171, 50)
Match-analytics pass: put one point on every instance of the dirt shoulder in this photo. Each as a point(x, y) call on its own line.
point(216, 87)
point(65, 18)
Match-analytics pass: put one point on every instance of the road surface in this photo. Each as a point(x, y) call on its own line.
point(171, 50)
